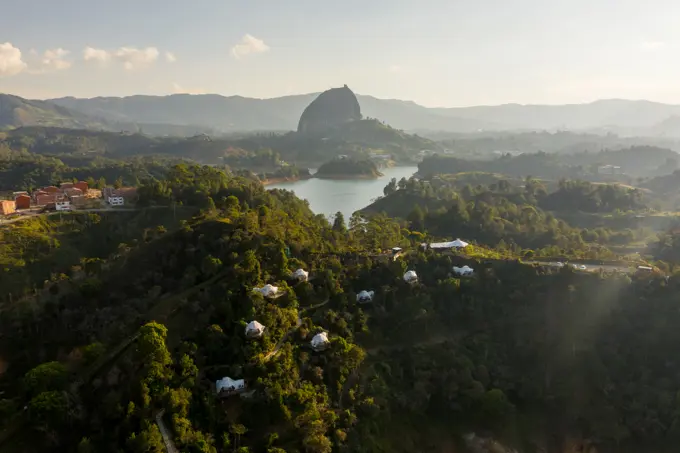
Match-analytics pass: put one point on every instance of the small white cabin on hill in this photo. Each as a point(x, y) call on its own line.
point(301, 275)
point(410, 277)
point(465, 270)
point(320, 341)
point(254, 329)
point(457, 244)
point(268, 290)
point(228, 386)
point(365, 296)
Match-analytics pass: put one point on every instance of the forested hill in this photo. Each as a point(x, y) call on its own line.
point(112, 326)
point(641, 161)
point(348, 168)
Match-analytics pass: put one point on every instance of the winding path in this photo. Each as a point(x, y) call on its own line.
point(167, 437)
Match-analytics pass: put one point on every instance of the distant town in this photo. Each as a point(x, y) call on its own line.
point(68, 196)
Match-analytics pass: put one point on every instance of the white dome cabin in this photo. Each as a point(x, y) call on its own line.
point(457, 244)
point(254, 329)
point(320, 341)
point(465, 270)
point(301, 275)
point(268, 290)
point(365, 296)
point(410, 277)
point(228, 386)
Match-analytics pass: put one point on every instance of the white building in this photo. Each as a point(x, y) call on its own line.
point(609, 170)
point(228, 386)
point(63, 206)
point(410, 277)
point(320, 341)
point(365, 296)
point(116, 201)
point(301, 275)
point(254, 329)
point(465, 270)
point(268, 290)
point(457, 244)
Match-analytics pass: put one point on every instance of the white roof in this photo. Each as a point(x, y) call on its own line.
point(365, 295)
point(301, 274)
point(254, 327)
point(229, 384)
point(447, 245)
point(410, 276)
point(320, 339)
point(463, 270)
point(268, 290)
point(396, 249)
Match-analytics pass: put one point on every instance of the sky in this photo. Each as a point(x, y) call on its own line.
point(443, 53)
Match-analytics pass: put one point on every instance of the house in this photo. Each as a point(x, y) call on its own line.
point(320, 341)
point(228, 386)
point(82, 185)
point(22, 201)
point(410, 277)
point(7, 207)
point(116, 201)
point(45, 199)
point(254, 329)
point(51, 189)
point(301, 275)
point(609, 170)
point(63, 206)
point(129, 193)
point(72, 192)
point(78, 201)
point(465, 270)
point(645, 268)
point(268, 290)
point(66, 185)
point(457, 244)
point(365, 296)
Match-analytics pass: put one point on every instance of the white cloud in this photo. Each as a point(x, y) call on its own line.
point(651, 45)
point(96, 55)
point(179, 89)
point(248, 45)
point(53, 60)
point(170, 57)
point(133, 58)
point(10, 60)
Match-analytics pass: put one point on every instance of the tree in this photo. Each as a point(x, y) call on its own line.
point(238, 430)
point(45, 377)
point(391, 187)
point(339, 223)
point(118, 183)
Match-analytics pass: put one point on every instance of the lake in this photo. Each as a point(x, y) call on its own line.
point(328, 196)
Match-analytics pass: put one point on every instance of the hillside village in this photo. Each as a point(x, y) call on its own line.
point(68, 196)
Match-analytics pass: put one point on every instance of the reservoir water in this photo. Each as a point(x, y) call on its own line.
point(328, 196)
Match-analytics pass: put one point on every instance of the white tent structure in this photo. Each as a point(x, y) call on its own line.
point(365, 296)
point(465, 270)
point(254, 329)
point(301, 275)
point(268, 290)
point(228, 386)
point(457, 244)
point(320, 341)
point(410, 277)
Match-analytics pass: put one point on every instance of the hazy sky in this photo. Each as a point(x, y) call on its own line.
point(438, 53)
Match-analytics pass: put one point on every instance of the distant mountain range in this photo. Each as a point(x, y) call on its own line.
point(184, 114)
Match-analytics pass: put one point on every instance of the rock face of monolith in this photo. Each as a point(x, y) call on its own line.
point(331, 109)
